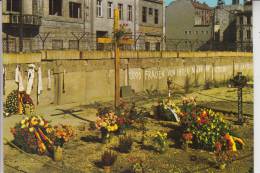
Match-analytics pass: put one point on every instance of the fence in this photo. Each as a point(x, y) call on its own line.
point(81, 41)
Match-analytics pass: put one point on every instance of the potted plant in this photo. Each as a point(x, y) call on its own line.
point(125, 144)
point(62, 134)
point(107, 124)
point(187, 140)
point(108, 158)
point(160, 142)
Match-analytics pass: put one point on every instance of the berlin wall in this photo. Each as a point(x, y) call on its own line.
point(85, 77)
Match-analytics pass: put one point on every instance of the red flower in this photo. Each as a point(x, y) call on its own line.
point(218, 146)
point(121, 121)
point(203, 114)
point(187, 136)
point(203, 121)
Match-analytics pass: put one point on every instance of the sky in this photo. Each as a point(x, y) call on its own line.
point(211, 3)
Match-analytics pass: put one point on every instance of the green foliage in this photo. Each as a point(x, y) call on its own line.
point(160, 142)
point(206, 126)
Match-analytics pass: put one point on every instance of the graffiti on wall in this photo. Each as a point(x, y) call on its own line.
point(160, 73)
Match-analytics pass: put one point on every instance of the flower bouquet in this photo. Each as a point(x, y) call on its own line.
point(107, 124)
point(166, 110)
point(33, 134)
point(187, 140)
point(27, 103)
point(62, 134)
point(206, 126)
point(160, 142)
point(224, 155)
point(11, 105)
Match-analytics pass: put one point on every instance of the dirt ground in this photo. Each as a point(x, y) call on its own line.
point(82, 154)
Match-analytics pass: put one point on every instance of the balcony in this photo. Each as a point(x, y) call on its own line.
point(27, 19)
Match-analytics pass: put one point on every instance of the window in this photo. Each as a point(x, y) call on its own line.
point(144, 15)
point(110, 10)
point(130, 13)
point(55, 7)
point(73, 44)
point(156, 16)
point(147, 46)
point(190, 32)
point(202, 32)
point(13, 5)
point(121, 12)
point(248, 20)
point(150, 11)
point(157, 46)
point(186, 32)
point(99, 8)
point(241, 35)
point(57, 44)
point(75, 10)
point(197, 32)
point(248, 34)
point(241, 20)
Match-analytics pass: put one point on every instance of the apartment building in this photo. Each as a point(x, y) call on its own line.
point(32, 25)
point(151, 24)
point(103, 18)
point(188, 25)
point(45, 24)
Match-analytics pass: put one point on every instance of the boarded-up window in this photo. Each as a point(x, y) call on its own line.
point(144, 14)
point(75, 10)
point(55, 7)
point(73, 44)
point(121, 11)
point(147, 46)
point(57, 44)
point(13, 5)
point(157, 46)
point(156, 16)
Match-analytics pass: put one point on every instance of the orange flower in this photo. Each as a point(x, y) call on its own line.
point(204, 114)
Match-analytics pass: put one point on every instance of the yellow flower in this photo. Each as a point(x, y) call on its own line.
point(23, 126)
point(103, 124)
point(23, 121)
point(31, 129)
point(34, 121)
point(49, 130)
point(41, 123)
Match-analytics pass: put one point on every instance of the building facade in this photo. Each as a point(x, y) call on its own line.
point(76, 24)
point(233, 27)
point(45, 24)
point(151, 24)
point(102, 20)
point(188, 25)
point(244, 29)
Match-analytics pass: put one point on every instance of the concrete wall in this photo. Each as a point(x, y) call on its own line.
point(89, 76)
